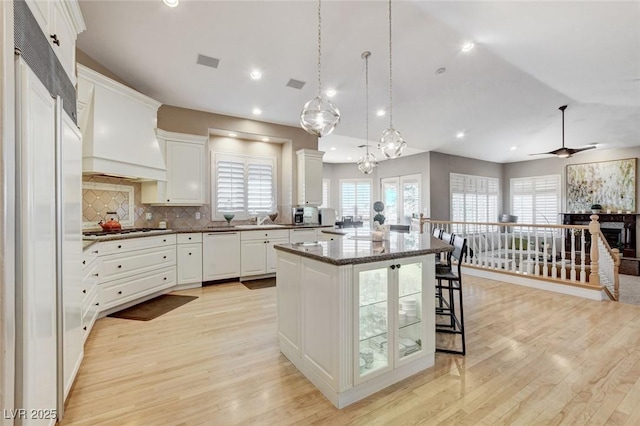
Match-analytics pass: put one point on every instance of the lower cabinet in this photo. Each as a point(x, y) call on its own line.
point(303, 235)
point(189, 253)
point(133, 268)
point(257, 253)
point(220, 255)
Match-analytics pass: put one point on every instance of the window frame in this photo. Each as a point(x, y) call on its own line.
point(326, 202)
point(246, 159)
point(558, 191)
point(478, 181)
point(400, 181)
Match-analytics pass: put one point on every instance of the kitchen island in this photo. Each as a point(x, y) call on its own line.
point(356, 316)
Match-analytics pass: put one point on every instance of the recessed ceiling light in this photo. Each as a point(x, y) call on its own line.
point(331, 93)
point(348, 158)
point(460, 135)
point(513, 148)
point(333, 148)
point(265, 139)
point(171, 3)
point(233, 135)
point(256, 74)
point(381, 113)
point(467, 46)
point(256, 111)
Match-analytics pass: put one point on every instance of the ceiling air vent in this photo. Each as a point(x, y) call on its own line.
point(296, 84)
point(208, 61)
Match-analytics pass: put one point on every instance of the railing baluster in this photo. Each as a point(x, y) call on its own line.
point(583, 255)
point(554, 263)
point(513, 248)
point(572, 276)
point(545, 248)
point(536, 268)
point(563, 264)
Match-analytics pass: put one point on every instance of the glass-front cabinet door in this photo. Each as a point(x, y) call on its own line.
point(410, 315)
point(372, 350)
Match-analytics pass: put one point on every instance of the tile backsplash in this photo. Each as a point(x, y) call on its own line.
point(95, 205)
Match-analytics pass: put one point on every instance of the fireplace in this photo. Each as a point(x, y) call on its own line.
point(618, 229)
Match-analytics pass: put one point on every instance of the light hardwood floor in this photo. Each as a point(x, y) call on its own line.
point(533, 357)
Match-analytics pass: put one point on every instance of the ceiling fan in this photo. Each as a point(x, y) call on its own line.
point(564, 152)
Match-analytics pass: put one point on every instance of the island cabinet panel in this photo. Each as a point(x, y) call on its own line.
point(288, 291)
point(320, 319)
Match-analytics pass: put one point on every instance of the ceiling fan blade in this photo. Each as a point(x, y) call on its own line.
point(575, 150)
point(542, 153)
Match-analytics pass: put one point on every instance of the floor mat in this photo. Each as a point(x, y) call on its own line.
point(258, 284)
point(153, 308)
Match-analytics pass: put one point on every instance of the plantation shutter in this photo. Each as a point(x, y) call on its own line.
point(473, 198)
point(230, 186)
point(325, 193)
point(260, 187)
point(536, 199)
point(355, 199)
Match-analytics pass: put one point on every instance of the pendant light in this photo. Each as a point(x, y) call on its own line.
point(319, 117)
point(369, 162)
point(391, 143)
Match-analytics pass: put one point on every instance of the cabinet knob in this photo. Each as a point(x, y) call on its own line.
point(168, 200)
point(189, 254)
point(55, 39)
point(165, 240)
point(84, 262)
point(165, 278)
point(95, 252)
point(398, 266)
point(84, 291)
point(95, 275)
point(120, 292)
point(189, 237)
point(98, 304)
point(84, 328)
point(119, 246)
point(393, 266)
point(164, 257)
point(119, 266)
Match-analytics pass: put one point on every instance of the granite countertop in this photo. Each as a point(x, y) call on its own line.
point(86, 242)
point(357, 247)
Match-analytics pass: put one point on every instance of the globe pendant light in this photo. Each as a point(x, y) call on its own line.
point(319, 117)
point(369, 162)
point(391, 143)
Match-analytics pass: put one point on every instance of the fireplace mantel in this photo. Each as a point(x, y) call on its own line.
point(626, 222)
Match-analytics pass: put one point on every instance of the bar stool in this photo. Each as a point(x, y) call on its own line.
point(449, 284)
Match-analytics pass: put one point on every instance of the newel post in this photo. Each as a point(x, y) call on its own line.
point(594, 230)
point(421, 223)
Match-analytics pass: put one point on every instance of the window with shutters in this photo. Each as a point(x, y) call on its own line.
point(326, 184)
point(355, 200)
point(243, 185)
point(473, 199)
point(536, 199)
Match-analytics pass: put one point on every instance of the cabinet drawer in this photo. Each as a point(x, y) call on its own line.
point(90, 313)
point(121, 246)
point(303, 235)
point(264, 234)
point(117, 265)
point(88, 293)
point(130, 288)
point(89, 256)
point(194, 237)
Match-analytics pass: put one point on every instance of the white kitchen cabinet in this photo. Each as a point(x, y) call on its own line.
point(303, 235)
point(189, 252)
point(220, 255)
point(257, 255)
point(185, 185)
point(389, 304)
point(61, 22)
point(133, 268)
point(309, 177)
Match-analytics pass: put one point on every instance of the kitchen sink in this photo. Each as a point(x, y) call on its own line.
point(258, 226)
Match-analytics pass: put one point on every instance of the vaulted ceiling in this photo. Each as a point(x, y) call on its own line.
point(529, 59)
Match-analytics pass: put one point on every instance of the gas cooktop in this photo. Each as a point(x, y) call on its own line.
point(96, 234)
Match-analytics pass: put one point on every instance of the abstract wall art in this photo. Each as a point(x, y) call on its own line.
point(612, 184)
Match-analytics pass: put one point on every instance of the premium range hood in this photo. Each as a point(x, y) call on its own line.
point(118, 128)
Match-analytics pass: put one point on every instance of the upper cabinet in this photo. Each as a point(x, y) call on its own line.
point(119, 129)
point(61, 22)
point(185, 184)
point(309, 177)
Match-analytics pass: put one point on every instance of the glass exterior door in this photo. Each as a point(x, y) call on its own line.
point(373, 315)
point(410, 324)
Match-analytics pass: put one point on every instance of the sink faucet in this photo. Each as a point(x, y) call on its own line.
point(260, 220)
